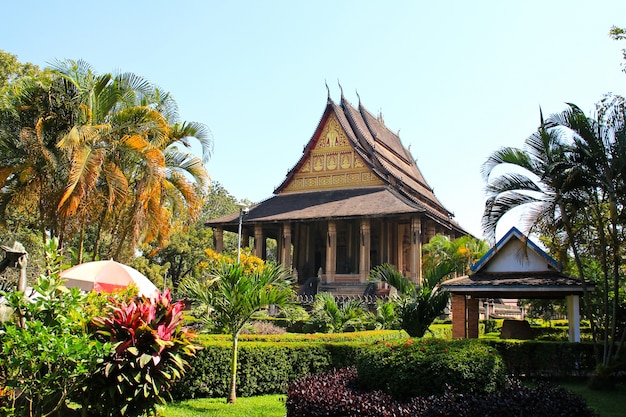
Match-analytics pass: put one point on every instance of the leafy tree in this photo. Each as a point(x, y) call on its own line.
point(619, 34)
point(11, 69)
point(458, 253)
point(417, 306)
point(232, 295)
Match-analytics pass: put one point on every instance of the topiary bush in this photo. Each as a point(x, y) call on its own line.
point(430, 366)
point(337, 394)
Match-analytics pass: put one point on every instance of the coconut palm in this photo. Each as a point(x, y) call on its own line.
point(236, 295)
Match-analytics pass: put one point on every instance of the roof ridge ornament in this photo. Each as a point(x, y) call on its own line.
point(341, 89)
point(327, 91)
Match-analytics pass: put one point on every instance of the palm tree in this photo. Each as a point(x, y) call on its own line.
point(459, 253)
point(536, 177)
point(126, 169)
point(31, 115)
point(236, 295)
point(417, 306)
point(338, 317)
point(600, 148)
point(573, 174)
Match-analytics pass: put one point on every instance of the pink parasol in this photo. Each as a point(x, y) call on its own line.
point(107, 276)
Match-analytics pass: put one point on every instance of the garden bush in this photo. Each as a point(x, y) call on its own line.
point(430, 366)
point(546, 359)
point(267, 363)
point(337, 394)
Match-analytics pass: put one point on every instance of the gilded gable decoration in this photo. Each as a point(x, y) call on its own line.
point(332, 163)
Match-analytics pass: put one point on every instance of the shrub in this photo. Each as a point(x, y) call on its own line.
point(546, 359)
point(336, 394)
point(46, 354)
point(149, 353)
point(429, 366)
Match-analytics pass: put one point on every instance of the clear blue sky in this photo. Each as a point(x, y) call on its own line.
point(457, 79)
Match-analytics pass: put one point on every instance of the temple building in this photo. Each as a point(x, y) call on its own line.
point(354, 200)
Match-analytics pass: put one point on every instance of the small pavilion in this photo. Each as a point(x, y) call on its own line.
point(514, 268)
point(355, 199)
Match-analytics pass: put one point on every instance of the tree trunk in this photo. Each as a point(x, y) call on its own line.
point(232, 396)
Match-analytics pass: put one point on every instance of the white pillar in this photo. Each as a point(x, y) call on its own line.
point(573, 317)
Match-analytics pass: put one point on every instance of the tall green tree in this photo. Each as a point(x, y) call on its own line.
point(232, 296)
point(571, 174)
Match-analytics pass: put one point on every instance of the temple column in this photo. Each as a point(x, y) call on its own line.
point(464, 316)
point(285, 257)
point(573, 317)
point(218, 239)
point(416, 250)
point(365, 249)
point(331, 251)
point(259, 242)
point(430, 230)
point(458, 316)
point(245, 239)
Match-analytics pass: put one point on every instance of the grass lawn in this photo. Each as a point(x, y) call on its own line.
point(606, 403)
point(262, 406)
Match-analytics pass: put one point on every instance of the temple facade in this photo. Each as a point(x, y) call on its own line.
point(354, 200)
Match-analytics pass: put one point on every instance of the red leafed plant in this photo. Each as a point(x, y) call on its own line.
point(149, 354)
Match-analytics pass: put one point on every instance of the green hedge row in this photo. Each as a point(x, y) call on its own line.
point(264, 367)
point(543, 359)
point(267, 367)
point(423, 367)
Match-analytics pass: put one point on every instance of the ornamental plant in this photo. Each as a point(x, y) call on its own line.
point(150, 352)
point(46, 352)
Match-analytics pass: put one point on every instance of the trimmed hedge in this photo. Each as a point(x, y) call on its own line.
point(537, 359)
point(430, 367)
point(267, 364)
point(264, 368)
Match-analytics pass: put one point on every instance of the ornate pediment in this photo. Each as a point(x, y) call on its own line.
point(332, 163)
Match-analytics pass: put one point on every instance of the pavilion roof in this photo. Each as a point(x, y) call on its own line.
point(332, 204)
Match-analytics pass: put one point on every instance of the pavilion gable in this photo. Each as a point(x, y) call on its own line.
point(515, 253)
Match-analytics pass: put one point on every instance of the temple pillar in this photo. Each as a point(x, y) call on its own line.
point(458, 316)
point(573, 317)
point(472, 317)
point(416, 250)
point(259, 242)
point(331, 251)
point(430, 231)
point(285, 257)
point(464, 317)
point(218, 239)
point(365, 249)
